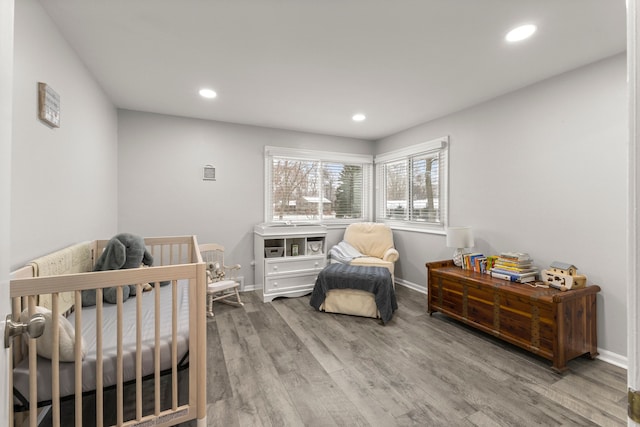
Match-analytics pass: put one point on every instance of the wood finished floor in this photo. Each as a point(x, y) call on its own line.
point(284, 364)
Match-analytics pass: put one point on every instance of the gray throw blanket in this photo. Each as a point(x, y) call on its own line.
point(376, 280)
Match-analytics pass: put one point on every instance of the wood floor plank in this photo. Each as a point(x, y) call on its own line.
point(279, 407)
point(247, 402)
point(361, 393)
point(318, 348)
point(218, 385)
point(223, 413)
point(228, 336)
point(480, 419)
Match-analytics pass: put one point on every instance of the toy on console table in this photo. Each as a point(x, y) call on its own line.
point(563, 276)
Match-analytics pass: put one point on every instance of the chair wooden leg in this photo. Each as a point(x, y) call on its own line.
point(236, 303)
point(238, 296)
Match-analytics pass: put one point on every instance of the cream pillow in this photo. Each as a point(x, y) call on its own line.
point(67, 336)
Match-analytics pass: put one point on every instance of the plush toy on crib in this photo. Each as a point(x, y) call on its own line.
point(123, 251)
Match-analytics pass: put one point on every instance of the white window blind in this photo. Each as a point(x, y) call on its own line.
point(305, 185)
point(412, 185)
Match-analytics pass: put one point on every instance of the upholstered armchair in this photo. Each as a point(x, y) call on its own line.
point(373, 244)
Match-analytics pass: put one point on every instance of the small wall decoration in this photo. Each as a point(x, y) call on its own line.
point(209, 173)
point(48, 105)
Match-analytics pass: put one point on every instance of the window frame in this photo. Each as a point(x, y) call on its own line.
point(366, 160)
point(407, 154)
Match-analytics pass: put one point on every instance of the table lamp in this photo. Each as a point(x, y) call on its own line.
point(459, 238)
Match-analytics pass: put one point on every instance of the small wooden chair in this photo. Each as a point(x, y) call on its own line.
point(221, 279)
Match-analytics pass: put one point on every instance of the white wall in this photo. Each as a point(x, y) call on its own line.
point(63, 179)
point(540, 170)
point(160, 186)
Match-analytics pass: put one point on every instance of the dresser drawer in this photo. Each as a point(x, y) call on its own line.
point(293, 264)
point(289, 283)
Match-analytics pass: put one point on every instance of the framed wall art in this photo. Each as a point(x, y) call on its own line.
point(48, 105)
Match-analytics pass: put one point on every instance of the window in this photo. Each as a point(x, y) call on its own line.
point(305, 185)
point(412, 185)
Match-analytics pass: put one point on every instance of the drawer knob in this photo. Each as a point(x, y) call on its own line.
point(275, 267)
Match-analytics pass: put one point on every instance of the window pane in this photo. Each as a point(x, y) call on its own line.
point(396, 189)
point(301, 187)
point(343, 186)
point(412, 185)
point(296, 187)
point(424, 189)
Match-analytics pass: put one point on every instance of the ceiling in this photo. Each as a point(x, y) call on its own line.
point(309, 65)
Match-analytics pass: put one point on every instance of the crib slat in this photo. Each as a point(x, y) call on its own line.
point(33, 361)
point(99, 370)
point(200, 347)
point(55, 360)
point(156, 361)
point(78, 359)
point(17, 341)
point(10, 360)
point(174, 344)
point(138, 352)
point(119, 363)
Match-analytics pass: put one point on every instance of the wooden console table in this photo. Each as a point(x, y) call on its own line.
point(556, 325)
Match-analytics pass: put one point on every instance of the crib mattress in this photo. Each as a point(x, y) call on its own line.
point(109, 344)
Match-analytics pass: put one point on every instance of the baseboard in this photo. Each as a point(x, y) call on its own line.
point(418, 288)
point(613, 358)
point(249, 288)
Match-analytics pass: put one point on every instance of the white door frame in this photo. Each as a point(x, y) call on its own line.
point(633, 301)
point(6, 117)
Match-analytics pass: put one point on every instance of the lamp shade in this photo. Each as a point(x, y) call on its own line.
point(459, 237)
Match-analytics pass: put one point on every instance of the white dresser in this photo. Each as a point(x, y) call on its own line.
point(288, 258)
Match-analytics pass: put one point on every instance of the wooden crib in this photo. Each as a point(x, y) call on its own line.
point(138, 351)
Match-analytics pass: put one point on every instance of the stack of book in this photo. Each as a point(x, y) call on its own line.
point(514, 266)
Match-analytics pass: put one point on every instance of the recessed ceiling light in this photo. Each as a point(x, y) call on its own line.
point(358, 117)
point(208, 93)
point(520, 33)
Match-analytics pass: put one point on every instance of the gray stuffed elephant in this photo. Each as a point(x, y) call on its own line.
point(123, 251)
